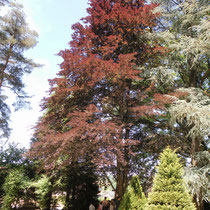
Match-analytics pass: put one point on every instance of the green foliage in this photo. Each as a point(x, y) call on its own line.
point(15, 39)
point(15, 187)
point(192, 112)
point(43, 190)
point(133, 198)
point(16, 173)
point(197, 178)
point(10, 158)
point(169, 190)
point(185, 31)
point(79, 181)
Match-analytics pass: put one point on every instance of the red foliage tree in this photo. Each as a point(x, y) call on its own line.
point(101, 89)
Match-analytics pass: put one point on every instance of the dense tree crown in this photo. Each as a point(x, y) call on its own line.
point(185, 31)
point(102, 87)
point(107, 101)
point(97, 74)
point(169, 190)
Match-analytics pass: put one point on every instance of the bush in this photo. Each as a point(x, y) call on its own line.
point(43, 191)
point(133, 198)
point(169, 191)
point(15, 188)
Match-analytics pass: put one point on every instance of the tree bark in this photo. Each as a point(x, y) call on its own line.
point(123, 169)
point(5, 66)
point(122, 180)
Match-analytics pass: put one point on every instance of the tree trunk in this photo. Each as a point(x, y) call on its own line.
point(122, 180)
point(123, 169)
point(5, 66)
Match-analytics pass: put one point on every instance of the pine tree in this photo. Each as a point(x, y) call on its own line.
point(169, 191)
point(15, 38)
point(134, 197)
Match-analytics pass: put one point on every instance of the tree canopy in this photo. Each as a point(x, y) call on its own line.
point(16, 38)
point(134, 79)
point(102, 88)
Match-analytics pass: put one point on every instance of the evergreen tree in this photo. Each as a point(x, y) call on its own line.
point(43, 191)
point(14, 187)
point(10, 159)
point(15, 39)
point(133, 198)
point(185, 29)
point(197, 179)
point(169, 191)
point(79, 182)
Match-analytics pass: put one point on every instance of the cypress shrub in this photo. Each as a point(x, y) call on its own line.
point(169, 191)
point(133, 198)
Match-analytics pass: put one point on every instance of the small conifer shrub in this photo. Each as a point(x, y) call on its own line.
point(169, 191)
point(134, 197)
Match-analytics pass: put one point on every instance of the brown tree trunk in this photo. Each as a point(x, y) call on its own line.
point(123, 169)
point(193, 78)
point(195, 147)
point(5, 66)
point(122, 179)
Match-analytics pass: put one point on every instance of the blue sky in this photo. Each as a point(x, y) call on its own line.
point(52, 19)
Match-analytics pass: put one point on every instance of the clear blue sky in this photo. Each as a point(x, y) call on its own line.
point(52, 19)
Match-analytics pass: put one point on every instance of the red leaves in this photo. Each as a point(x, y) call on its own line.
point(93, 102)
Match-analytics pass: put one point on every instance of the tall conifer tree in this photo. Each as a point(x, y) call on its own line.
point(185, 31)
point(15, 38)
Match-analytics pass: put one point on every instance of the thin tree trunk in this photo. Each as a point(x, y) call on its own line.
point(5, 66)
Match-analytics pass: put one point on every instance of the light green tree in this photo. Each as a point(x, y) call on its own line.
point(169, 191)
point(15, 187)
point(197, 178)
point(134, 197)
point(15, 38)
point(184, 30)
point(43, 191)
